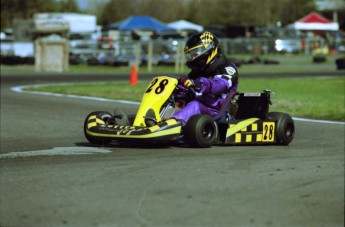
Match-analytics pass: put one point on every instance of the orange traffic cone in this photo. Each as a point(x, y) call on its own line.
point(133, 80)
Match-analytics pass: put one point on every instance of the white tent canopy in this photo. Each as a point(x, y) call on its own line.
point(314, 21)
point(182, 25)
point(316, 26)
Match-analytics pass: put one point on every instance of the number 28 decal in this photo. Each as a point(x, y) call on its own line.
point(157, 87)
point(268, 131)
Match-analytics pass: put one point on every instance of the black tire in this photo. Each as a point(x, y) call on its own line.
point(319, 59)
point(340, 62)
point(201, 131)
point(285, 128)
point(96, 140)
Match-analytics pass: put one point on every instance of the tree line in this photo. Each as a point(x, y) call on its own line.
point(25, 9)
point(203, 12)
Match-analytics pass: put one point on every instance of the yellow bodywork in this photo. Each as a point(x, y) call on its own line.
point(156, 94)
point(169, 127)
point(240, 126)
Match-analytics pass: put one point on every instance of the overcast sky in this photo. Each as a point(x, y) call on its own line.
point(86, 4)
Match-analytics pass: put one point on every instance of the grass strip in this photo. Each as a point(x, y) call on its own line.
point(315, 98)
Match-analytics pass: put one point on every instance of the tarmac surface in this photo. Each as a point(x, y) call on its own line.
point(51, 176)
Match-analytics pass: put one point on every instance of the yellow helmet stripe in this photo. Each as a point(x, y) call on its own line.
point(193, 48)
point(213, 54)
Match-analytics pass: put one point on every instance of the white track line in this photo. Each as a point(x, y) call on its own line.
point(21, 89)
point(56, 151)
point(318, 121)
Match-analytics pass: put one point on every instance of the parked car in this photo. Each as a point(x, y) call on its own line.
point(288, 45)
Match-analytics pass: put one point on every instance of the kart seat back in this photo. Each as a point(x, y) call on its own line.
point(253, 105)
point(225, 109)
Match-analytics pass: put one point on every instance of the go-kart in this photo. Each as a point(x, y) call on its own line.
point(243, 119)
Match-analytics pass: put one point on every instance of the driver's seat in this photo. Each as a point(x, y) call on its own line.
point(224, 112)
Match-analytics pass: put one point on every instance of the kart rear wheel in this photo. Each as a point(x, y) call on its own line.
point(95, 140)
point(201, 131)
point(285, 129)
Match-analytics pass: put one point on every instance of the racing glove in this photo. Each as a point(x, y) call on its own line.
point(182, 80)
point(190, 83)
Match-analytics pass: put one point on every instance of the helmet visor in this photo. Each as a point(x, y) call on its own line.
point(195, 52)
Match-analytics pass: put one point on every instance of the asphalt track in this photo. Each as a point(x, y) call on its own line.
point(51, 176)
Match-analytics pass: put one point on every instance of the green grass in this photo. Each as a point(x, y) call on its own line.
point(119, 91)
point(316, 98)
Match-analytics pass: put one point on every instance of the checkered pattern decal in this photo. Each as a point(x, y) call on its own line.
point(96, 127)
point(256, 133)
point(206, 38)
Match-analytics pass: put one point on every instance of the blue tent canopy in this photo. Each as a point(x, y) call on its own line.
point(140, 23)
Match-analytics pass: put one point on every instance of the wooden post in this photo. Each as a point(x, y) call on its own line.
point(149, 56)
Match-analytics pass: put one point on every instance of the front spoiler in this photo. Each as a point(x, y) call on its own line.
point(164, 131)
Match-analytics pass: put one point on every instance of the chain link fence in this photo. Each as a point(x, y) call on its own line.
point(159, 51)
point(170, 51)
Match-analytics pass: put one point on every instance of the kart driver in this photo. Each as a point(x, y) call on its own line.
point(212, 76)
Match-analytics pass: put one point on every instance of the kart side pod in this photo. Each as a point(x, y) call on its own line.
point(98, 130)
point(254, 124)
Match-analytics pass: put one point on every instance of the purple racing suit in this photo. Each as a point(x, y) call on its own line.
point(213, 86)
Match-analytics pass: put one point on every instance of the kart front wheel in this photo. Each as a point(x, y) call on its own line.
point(201, 131)
point(97, 140)
point(285, 129)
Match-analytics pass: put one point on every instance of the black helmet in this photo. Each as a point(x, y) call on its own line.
point(201, 49)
